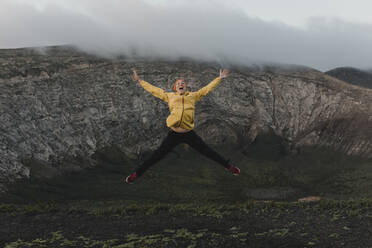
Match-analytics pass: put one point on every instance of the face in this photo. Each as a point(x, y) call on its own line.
point(181, 87)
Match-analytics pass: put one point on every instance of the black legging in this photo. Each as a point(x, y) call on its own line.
point(172, 140)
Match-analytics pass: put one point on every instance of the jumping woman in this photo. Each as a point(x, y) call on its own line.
point(181, 123)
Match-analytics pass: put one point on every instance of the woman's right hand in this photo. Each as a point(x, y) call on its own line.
point(135, 76)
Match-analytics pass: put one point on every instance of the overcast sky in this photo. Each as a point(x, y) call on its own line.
point(322, 34)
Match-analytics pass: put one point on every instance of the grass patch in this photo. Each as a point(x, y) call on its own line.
point(168, 238)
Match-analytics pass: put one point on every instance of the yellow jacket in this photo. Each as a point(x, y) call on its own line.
point(181, 107)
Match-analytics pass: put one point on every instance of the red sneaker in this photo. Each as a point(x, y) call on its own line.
point(130, 179)
point(234, 170)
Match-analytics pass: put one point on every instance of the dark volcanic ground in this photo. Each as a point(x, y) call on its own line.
point(188, 201)
point(252, 224)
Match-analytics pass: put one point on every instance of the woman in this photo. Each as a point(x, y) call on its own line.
point(181, 123)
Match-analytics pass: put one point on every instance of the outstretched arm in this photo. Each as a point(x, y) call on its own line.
point(155, 91)
point(206, 89)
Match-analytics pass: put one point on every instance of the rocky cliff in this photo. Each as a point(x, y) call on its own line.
point(60, 107)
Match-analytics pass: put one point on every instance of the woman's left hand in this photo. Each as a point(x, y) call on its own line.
point(224, 73)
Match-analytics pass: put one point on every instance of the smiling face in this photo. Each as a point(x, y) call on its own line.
point(180, 86)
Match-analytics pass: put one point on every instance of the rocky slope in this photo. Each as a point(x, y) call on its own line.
point(60, 108)
point(352, 75)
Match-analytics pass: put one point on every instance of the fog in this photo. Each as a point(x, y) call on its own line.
point(197, 30)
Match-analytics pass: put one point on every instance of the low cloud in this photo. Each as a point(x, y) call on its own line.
point(196, 30)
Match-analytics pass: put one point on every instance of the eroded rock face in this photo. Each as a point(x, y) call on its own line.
point(60, 107)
